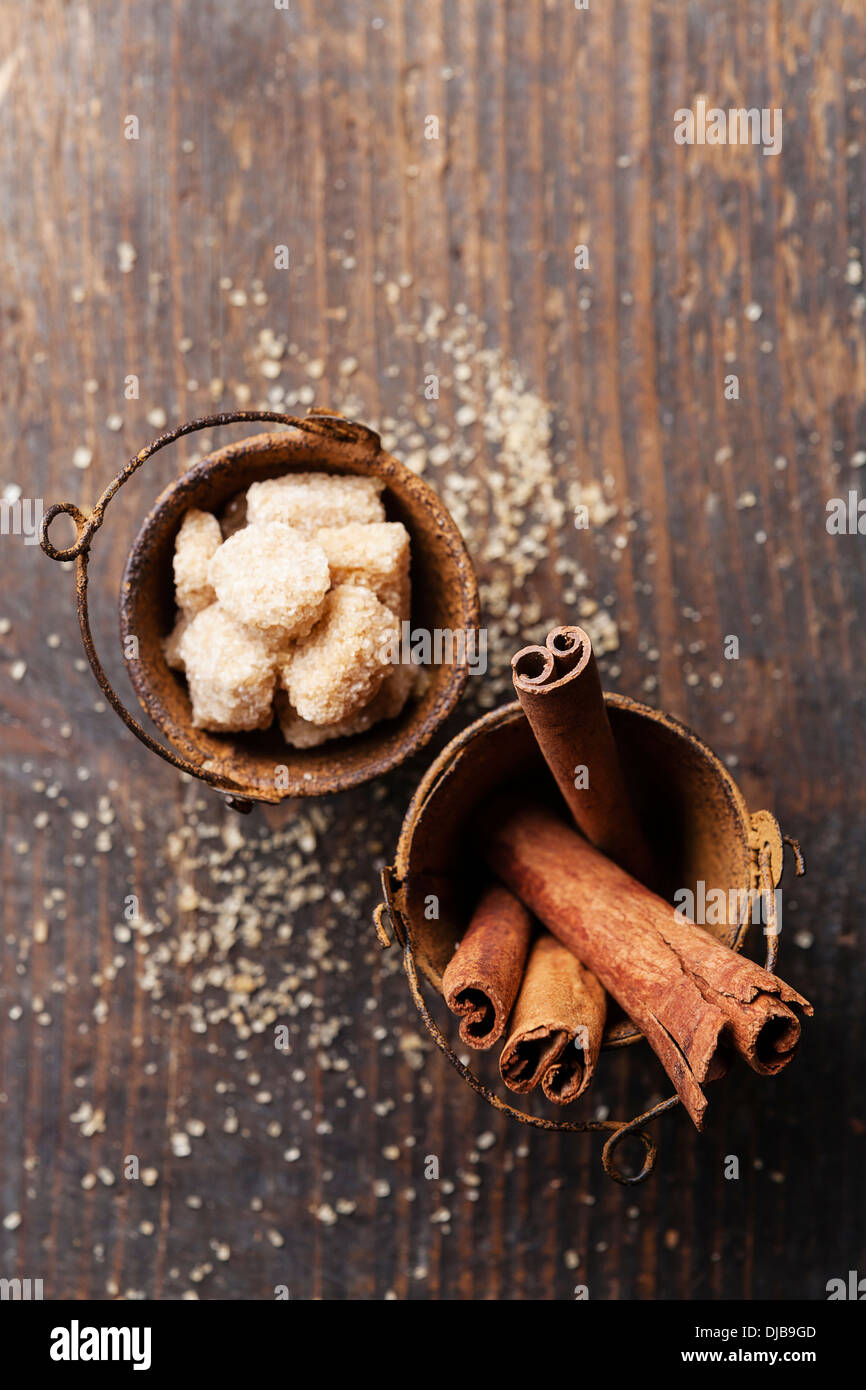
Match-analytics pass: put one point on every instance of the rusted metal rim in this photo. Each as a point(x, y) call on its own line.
point(434, 533)
point(240, 794)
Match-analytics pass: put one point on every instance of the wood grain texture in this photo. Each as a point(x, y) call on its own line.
point(305, 127)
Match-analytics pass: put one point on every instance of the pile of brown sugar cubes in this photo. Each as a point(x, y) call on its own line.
point(283, 611)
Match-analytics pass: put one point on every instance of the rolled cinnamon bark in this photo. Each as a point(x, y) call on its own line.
point(556, 1029)
point(560, 693)
point(694, 999)
point(481, 980)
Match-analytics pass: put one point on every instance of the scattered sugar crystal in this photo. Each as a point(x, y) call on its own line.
point(271, 578)
point(375, 555)
point(197, 542)
point(343, 663)
point(231, 672)
point(126, 257)
point(308, 501)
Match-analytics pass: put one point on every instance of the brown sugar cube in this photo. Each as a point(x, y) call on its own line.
point(197, 542)
point(375, 554)
point(171, 643)
point(272, 578)
point(387, 704)
point(310, 500)
point(231, 673)
point(345, 659)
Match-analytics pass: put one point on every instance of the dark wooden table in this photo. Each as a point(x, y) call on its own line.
point(153, 257)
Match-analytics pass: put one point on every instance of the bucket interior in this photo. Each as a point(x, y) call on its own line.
point(443, 597)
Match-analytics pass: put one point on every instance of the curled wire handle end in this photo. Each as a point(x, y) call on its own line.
point(84, 526)
point(633, 1129)
point(650, 1155)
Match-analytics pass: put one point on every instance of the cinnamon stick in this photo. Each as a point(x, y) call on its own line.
point(560, 693)
point(556, 1028)
point(481, 980)
point(696, 1000)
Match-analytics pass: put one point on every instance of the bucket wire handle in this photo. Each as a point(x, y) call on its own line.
point(88, 523)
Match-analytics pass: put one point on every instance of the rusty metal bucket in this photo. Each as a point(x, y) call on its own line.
point(242, 766)
point(696, 820)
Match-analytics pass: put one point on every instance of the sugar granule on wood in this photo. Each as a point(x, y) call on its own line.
point(230, 670)
point(197, 542)
point(501, 480)
point(308, 501)
point(344, 661)
point(231, 955)
point(375, 555)
point(270, 577)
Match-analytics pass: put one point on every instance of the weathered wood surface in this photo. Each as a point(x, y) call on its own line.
point(307, 128)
